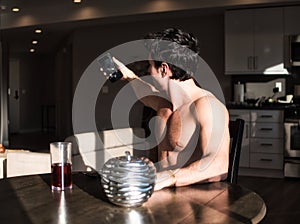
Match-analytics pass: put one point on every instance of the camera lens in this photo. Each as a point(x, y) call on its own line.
point(115, 76)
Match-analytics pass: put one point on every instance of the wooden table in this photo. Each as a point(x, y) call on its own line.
point(28, 199)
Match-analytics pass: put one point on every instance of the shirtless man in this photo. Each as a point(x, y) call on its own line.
point(193, 124)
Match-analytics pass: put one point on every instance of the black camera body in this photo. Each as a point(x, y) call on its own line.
point(108, 68)
point(115, 76)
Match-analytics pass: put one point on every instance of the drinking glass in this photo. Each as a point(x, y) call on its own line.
point(61, 165)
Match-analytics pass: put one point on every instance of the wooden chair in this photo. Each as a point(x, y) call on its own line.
point(236, 129)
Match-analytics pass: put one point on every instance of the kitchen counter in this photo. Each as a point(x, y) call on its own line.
point(263, 139)
point(267, 106)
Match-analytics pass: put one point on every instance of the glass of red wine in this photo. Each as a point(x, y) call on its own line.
point(61, 165)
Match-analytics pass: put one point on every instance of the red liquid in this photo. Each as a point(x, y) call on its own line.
point(61, 177)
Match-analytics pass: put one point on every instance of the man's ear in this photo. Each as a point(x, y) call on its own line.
point(165, 69)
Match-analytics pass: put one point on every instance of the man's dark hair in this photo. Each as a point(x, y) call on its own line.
point(179, 49)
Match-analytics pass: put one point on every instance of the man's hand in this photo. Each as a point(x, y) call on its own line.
point(127, 73)
point(164, 179)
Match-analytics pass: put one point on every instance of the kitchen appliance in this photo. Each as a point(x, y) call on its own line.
point(239, 92)
point(292, 141)
point(292, 51)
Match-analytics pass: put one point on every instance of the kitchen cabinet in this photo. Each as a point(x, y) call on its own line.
point(245, 115)
point(267, 116)
point(254, 41)
point(291, 20)
point(266, 141)
point(266, 161)
point(263, 141)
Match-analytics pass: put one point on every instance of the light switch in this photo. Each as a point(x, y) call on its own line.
point(279, 86)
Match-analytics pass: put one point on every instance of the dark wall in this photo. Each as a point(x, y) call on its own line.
point(89, 43)
point(36, 89)
point(43, 77)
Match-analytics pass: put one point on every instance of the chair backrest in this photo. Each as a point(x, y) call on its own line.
point(236, 129)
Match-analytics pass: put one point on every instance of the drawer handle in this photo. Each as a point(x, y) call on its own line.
point(266, 144)
point(266, 129)
point(266, 116)
point(250, 62)
point(255, 62)
point(266, 160)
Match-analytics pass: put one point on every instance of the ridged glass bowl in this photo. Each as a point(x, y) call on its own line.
point(128, 181)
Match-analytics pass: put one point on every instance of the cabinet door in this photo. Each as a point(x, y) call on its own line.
point(245, 150)
point(242, 114)
point(254, 41)
point(245, 115)
point(268, 41)
point(266, 130)
point(266, 145)
point(266, 161)
point(238, 41)
point(267, 116)
point(291, 20)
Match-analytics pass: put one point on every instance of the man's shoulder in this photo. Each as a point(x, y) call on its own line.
point(210, 105)
point(207, 101)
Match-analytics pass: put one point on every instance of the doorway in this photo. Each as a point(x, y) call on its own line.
point(14, 96)
point(31, 84)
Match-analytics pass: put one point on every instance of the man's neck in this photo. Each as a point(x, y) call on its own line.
point(183, 92)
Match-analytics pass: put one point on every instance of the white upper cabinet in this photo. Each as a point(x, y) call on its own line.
point(254, 41)
point(238, 41)
point(291, 20)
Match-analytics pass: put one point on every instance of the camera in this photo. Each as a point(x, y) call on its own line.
point(108, 68)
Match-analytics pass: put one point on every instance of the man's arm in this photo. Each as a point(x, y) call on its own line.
point(145, 92)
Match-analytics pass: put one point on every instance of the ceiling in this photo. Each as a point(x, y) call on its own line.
point(58, 18)
point(20, 39)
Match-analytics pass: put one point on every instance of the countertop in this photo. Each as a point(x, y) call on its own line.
point(268, 106)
